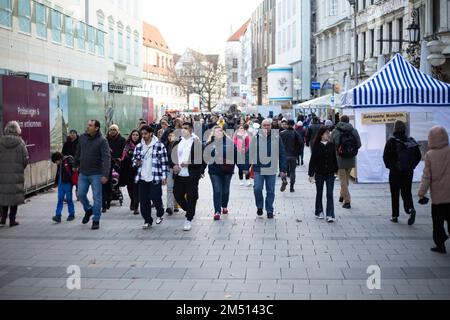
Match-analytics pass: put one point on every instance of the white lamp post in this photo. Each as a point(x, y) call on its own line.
point(297, 86)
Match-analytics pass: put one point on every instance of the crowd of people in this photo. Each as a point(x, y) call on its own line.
point(176, 153)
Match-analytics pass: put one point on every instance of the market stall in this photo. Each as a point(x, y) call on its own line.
point(397, 92)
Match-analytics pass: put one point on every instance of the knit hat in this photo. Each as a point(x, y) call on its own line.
point(300, 124)
point(328, 123)
point(73, 131)
point(399, 127)
point(115, 126)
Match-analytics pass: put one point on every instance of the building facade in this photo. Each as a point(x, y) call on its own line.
point(236, 58)
point(123, 23)
point(158, 63)
point(293, 45)
point(50, 42)
point(333, 40)
point(263, 48)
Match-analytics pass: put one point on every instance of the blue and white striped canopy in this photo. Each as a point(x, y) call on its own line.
point(399, 83)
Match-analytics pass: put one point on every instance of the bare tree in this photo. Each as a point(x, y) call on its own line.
point(203, 75)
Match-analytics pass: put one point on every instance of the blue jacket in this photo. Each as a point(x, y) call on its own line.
point(255, 150)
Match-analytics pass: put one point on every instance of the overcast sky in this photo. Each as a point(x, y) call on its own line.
point(202, 25)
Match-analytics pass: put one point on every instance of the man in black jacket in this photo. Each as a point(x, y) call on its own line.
point(312, 132)
point(189, 167)
point(93, 160)
point(401, 157)
point(70, 146)
point(293, 144)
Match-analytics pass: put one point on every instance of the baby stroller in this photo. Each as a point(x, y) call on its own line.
point(116, 192)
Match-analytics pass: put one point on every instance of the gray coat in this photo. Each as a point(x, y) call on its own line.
point(336, 136)
point(93, 155)
point(13, 161)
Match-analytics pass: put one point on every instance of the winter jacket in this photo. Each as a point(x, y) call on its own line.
point(93, 156)
point(323, 160)
point(13, 161)
point(311, 134)
point(390, 155)
point(70, 147)
point(127, 171)
point(229, 157)
point(117, 145)
point(255, 152)
point(292, 142)
point(196, 168)
point(436, 175)
point(302, 132)
point(65, 170)
point(342, 127)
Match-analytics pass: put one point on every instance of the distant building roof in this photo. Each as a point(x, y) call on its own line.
point(238, 34)
point(154, 39)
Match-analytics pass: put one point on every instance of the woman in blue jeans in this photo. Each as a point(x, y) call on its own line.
point(222, 155)
point(322, 170)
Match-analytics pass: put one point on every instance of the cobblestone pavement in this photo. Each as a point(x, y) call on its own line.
point(242, 257)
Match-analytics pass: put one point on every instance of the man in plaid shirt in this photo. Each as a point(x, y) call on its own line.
point(150, 157)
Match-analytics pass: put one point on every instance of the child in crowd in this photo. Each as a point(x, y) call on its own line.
point(63, 179)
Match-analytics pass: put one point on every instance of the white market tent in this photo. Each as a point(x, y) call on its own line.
point(397, 91)
point(319, 106)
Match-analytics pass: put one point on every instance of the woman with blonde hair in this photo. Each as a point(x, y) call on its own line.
point(13, 161)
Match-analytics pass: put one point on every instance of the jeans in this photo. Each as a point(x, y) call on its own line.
point(440, 213)
point(344, 177)
point(221, 191)
point(170, 196)
point(133, 192)
point(94, 181)
point(12, 213)
point(149, 193)
point(185, 191)
point(401, 183)
point(320, 182)
point(65, 191)
point(270, 182)
point(292, 166)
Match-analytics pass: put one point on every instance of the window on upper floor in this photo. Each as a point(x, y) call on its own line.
point(111, 44)
point(6, 10)
point(101, 43)
point(56, 26)
point(136, 49)
point(235, 63)
point(24, 12)
point(333, 7)
point(128, 46)
point(294, 34)
point(41, 20)
point(120, 41)
point(68, 30)
point(91, 39)
point(81, 36)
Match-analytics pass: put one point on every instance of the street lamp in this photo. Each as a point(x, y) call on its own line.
point(332, 80)
point(353, 4)
point(297, 86)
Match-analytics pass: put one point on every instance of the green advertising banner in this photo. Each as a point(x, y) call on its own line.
point(85, 105)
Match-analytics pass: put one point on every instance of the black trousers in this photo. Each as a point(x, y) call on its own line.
point(133, 192)
point(107, 195)
point(12, 213)
point(440, 214)
point(149, 193)
point(185, 191)
point(401, 184)
point(292, 166)
point(241, 174)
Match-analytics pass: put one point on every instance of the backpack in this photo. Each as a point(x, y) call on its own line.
point(406, 151)
point(348, 145)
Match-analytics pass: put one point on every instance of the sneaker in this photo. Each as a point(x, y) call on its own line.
point(330, 219)
point(169, 211)
point(412, 219)
point(303, 163)
point(441, 250)
point(321, 216)
point(260, 212)
point(87, 217)
point(347, 206)
point(283, 186)
point(176, 210)
point(159, 220)
point(70, 218)
point(225, 211)
point(292, 190)
point(95, 225)
point(249, 183)
point(269, 215)
point(56, 219)
point(136, 213)
point(241, 184)
point(341, 200)
point(147, 226)
point(394, 220)
point(217, 217)
point(187, 225)
point(104, 210)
